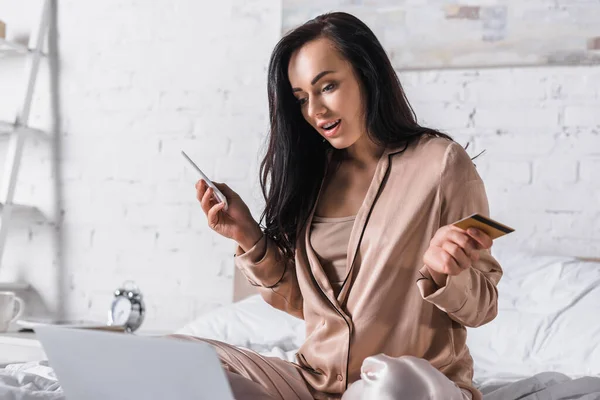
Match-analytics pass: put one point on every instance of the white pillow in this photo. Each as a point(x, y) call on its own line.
point(548, 319)
point(250, 323)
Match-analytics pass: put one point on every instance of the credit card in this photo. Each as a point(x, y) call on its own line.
point(492, 228)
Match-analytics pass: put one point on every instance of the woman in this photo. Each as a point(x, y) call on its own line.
point(357, 236)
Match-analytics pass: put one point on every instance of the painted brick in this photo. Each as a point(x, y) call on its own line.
point(543, 197)
point(589, 171)
point(166, 216)
point(178, 240)
point(181, 192)
point(555, 170)
point(515, 90)
point(593, 43)
point(162, 124)
point(99, 214)
point(437, 92)
point(494, 23)
point(516, 145)
point(198, 147)
point(180, 100)
point(576, 88)
point(443, 116)
point(517, 118)
point(462, 12)
point(582, 143)
point(582, 116)
point(123, 238)
point(123, 192)
point(227, 171)
point(500, 172)
point(125, 99)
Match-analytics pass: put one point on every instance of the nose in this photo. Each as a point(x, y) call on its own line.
point(315, 108)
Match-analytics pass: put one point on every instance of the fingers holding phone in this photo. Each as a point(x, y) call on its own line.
point(226, 212)
point(214, 208)
point(216, 192)
point(206, 196)
point(236, 222)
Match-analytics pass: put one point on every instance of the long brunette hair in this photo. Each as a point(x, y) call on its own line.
point(294, 165)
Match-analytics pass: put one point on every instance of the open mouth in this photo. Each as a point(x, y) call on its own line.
point(332, 125)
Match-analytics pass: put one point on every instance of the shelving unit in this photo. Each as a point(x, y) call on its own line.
point(7, 128)
point(18, 131)
point(8, 48)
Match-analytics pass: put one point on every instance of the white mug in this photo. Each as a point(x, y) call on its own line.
point(8, 312)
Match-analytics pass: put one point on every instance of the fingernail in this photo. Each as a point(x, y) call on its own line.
point(473, 231)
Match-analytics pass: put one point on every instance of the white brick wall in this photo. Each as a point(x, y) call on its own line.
point(141, 81)
point(187, 76)
point(541, 132)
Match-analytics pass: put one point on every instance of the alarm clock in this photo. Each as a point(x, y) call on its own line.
point(127, 309)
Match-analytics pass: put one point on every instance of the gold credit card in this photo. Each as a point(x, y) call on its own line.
point(492, 228)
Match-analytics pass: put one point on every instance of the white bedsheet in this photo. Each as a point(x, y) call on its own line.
point(29, 381)
point(548, 320)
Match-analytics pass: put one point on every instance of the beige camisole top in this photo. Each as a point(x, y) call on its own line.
point(329, 239)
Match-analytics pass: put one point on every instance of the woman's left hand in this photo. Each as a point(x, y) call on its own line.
point(453, 250)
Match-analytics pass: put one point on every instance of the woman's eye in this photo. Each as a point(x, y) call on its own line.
point(302, 101)
point(329, 87)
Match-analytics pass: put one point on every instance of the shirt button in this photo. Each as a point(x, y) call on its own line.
point(340, 377)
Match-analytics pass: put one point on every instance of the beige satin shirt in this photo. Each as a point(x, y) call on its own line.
point(386, 306)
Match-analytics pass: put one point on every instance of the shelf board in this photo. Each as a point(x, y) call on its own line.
point(25, 210)
point(14, 286)
point(8, 48)
point(6, 128)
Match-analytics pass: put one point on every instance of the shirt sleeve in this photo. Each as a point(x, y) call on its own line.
point(273, 274)
point(471, 297)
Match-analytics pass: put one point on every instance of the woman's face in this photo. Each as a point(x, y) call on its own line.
point(328, 92)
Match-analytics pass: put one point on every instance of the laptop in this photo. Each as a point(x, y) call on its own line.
point(101, 365)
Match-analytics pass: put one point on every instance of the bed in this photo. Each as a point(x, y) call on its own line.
point(544, 344)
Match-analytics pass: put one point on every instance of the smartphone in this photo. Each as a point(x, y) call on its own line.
point(493, 228)
point(220, 196)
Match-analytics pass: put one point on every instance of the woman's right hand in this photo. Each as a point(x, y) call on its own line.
point(236, 223)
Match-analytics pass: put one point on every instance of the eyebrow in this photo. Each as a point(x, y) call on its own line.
point(315, 79)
